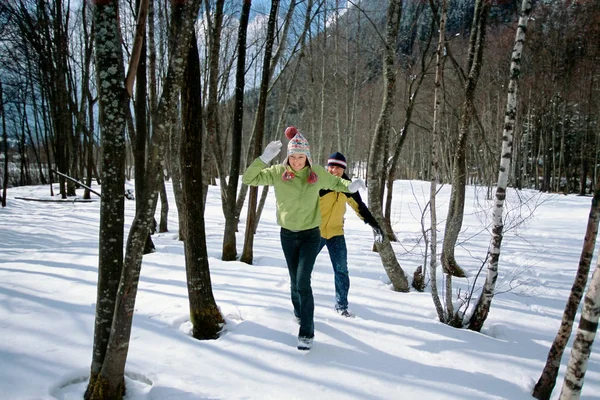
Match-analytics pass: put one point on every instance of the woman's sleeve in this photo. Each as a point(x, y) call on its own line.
point(334, 183)
point(257, 174)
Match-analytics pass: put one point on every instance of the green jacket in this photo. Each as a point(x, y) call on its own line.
point(297, 200)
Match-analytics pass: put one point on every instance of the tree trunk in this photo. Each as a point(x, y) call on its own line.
point(582, 346)
point(141, 115)
point(386, 252)
point(204, 314)
point(175, 145)
point(413, 91)
point(545, 384)
point(435, 167)
point(228, 195)
point(457, 197)
point(5, 143)
point(109, 383)
point(111, 76)
point(64, 132)
point(163, 225)
point(259, 128)
point(485, 300)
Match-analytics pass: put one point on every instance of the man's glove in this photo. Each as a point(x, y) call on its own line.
point(271, 151)
point(378, 234)
point(357, 184)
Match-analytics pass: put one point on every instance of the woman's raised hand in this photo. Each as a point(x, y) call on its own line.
point(271, 151)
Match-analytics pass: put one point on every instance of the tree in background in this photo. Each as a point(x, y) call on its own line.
point(435, 145)
point(545, 384)
point(43, 35)
point(482, 308)
point(376, 161)
point(582, 346)
point(204, 314)
point(258, 133)
point(5, 144)
point(229, 191)
point(139, 135)
point(459, 175)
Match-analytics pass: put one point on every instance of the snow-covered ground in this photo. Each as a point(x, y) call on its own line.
point(394, 349)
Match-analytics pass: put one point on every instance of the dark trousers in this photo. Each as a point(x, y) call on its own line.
point(338, 254)
point(300, 250)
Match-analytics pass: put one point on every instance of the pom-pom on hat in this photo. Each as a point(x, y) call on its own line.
point(297, 145)
point(337, 159)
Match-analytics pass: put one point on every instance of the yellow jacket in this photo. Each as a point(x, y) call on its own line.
point(333, 209)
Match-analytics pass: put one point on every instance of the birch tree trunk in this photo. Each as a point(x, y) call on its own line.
point(545, 385)
point(582, 346)
point(435, 166)
point(386, 252)
point(457, 197)
point(485, 300)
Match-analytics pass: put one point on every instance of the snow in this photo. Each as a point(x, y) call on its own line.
point(394, 347)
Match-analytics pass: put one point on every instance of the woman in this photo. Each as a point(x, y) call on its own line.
point(297, 183)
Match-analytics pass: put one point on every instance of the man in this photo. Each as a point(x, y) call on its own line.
point(333, 208)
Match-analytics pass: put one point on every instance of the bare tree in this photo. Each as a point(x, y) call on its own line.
point(43, 30)
point(5, 143)
point(258, 132)
point(111, 77)
point(435, 145)
point(376, 162)
point(228, 193)
point(139, 137)
point(416, 80)
point(87, 101)
point(545, 384)
point(582, 346)
point(108, 383)
point(485, 300)
point(459, 176)
point(204, 314)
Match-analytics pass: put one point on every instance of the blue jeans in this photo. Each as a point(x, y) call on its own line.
point(300, 250)
point(338, 254)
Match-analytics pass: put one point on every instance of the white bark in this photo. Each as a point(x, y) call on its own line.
point(435, 167)
point(484, 302)
point(582, 347)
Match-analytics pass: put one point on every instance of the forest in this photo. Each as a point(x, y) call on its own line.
point(491, 93)
point(326, 78)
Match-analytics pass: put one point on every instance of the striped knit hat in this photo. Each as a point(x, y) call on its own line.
point(337, 159)
point(297, 145)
